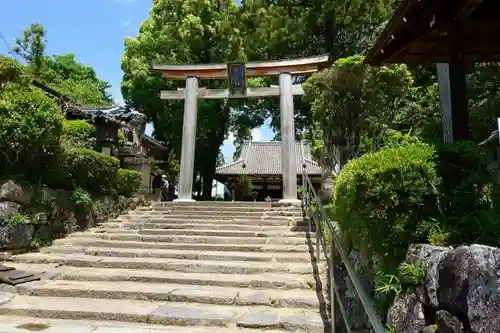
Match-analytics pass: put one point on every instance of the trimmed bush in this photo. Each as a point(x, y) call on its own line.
point(383, 200)
point(128, 182)
point(93, 170)
point(86, 169)
point(78, 133)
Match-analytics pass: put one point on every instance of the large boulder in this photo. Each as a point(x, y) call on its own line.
point(16, 192)
point(8, 208)
point(447, 323)
point(469, 286)
point(355, 312)
point(16, 236)
point(406, 314)
point(429, 256)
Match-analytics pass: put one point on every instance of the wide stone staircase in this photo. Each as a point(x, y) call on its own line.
point(191, 267)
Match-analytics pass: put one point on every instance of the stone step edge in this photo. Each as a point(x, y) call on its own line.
point(178, 265)
point(259, 248)
point(179, 293)
point(201, 226)
point(180, 314)
point(203, 232)
point(193, 240)
point(277, 281)
point(280, 257)
point(17, 324)
point(104, 235)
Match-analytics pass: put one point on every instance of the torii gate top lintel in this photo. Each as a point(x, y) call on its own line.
point(264, 68)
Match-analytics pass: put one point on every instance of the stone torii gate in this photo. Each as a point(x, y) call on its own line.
point(236, 73)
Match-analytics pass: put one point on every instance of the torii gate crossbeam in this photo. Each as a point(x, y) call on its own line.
point(286, 90)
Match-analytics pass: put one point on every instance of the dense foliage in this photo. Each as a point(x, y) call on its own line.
point(382, 199)
point(36, 143)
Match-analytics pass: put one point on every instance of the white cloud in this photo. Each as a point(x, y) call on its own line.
point(126, 23)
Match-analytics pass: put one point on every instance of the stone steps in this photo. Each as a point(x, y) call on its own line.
point(17, 324)
point(161, 312)
point(198, 226)
point(185, 271)
point(97, 242)
point(256, 281)
point(186, 239)
point(172, 293)
point(176, 265)
point(212, 216)
point(227, 208)
point(226, 213)
point(202, 232)
point(231, 221)
point(182, 254)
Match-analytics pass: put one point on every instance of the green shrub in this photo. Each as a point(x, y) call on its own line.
point(78, 133)
point(30, 131)
point(81, 198)
point(411, 274)
point(128, 182)
point(381, 199)
point(16, 218)
point(86, 169)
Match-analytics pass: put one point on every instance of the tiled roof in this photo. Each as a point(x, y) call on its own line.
point(264, 158)
point(122, 116)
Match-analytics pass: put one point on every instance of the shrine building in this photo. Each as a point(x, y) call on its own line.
point(261, 161)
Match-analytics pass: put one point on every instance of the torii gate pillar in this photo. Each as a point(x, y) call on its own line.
point(286, 90)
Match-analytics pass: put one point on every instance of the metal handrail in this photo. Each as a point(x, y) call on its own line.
point(335, 246)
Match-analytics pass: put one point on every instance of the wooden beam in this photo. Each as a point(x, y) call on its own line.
point(204, 93)
point(261, 68)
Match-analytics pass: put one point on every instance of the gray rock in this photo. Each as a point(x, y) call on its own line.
point(429, 256)
point(447, 323)
point(7, 208)
point(430, 329)
point(5, 297)
point(16, 236)
point(469, 286)
point(406, 314)
point(355, 311)
point(16, 192)
point(191, 316)
point(258, 320)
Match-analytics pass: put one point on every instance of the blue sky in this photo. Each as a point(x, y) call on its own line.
point(94, 31)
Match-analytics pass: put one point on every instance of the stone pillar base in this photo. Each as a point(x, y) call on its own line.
point(184, 200)
point(290, 202)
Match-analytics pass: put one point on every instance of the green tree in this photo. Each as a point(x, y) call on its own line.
point(61, 72)
point(78, 81)
point(291, 29)
point(352, 106)
point(179, 32)
point(31, 47)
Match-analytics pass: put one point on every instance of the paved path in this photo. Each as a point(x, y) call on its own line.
point(241, 267)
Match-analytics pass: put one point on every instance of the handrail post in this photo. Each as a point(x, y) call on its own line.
point(332, 282)
point(318, 232)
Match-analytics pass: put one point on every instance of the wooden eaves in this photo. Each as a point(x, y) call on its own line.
point(433, 31)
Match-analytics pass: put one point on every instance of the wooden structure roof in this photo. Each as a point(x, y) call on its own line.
point(264, 159)
point(120, 116)
point(433, 31)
